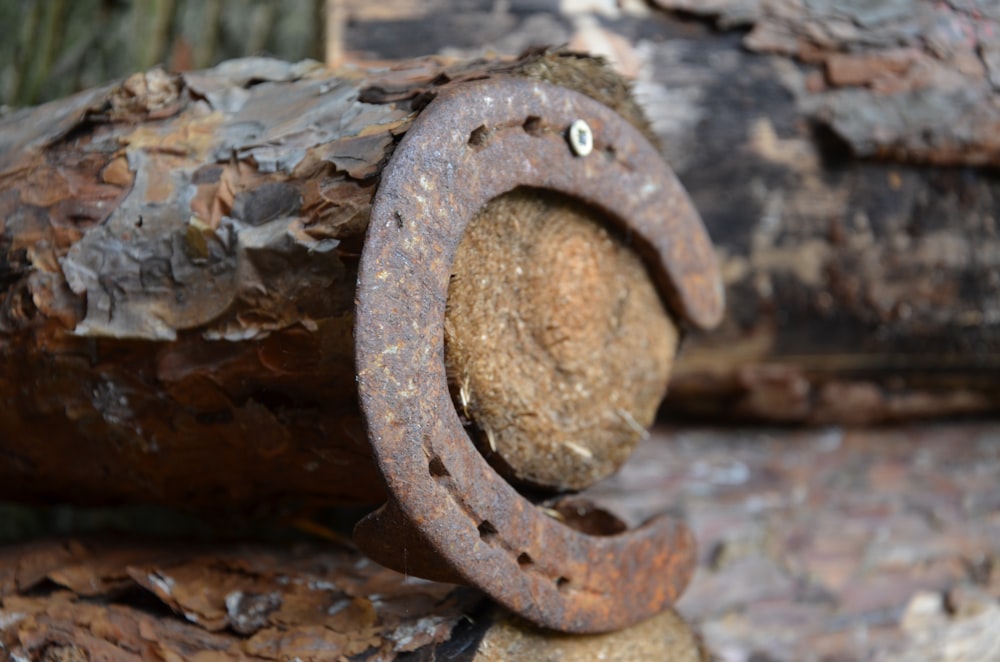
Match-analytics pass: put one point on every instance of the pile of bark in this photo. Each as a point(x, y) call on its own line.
point(79, 599)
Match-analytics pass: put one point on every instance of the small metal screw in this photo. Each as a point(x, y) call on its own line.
point(581, 138)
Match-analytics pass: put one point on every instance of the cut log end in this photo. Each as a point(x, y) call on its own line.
point(557, 345)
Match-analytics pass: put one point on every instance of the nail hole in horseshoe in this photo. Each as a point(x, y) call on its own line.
point(478, 136)
point(532, 125)
point(436, 468)
point(562, 583)
point(487, 530)
point(524, 559)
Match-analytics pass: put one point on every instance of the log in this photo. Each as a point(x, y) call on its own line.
point(847, 177)
point(89, 599)
point(843, 159)
point(179, 261)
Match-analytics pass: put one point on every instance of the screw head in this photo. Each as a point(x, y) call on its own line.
point(581, 138)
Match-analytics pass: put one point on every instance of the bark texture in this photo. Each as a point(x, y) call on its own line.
point(144, 208)
point(126, 602)
point(841, 176)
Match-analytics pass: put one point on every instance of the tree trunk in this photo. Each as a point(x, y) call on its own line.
point(180, 257)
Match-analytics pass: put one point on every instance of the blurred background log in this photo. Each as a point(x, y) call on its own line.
point(844, 158)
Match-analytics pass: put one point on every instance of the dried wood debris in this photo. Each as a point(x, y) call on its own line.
point(117, 601)
point(129, 602)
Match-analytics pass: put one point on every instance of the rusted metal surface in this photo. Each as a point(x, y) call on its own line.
point(450, 516)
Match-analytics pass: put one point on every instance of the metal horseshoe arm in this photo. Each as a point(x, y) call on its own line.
point(450, 516)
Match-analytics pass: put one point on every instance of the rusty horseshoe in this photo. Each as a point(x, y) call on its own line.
point(450, 516)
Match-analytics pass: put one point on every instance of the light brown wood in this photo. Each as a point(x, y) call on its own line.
point(556, 342)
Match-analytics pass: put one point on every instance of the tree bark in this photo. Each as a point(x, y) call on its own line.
point(113, 364)
point(120, 601)
point(846, 174)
